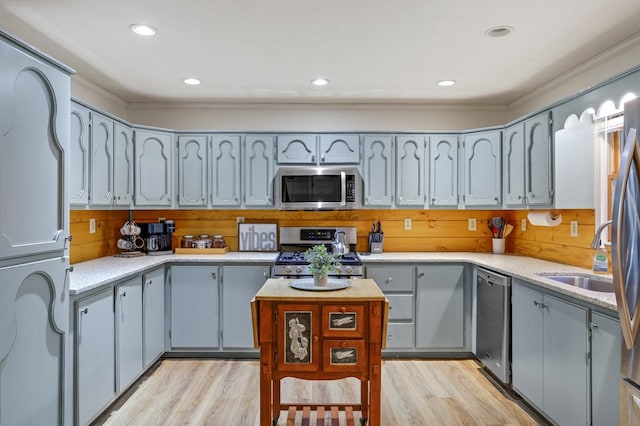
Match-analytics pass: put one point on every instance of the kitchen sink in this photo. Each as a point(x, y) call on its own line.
point(586, 281)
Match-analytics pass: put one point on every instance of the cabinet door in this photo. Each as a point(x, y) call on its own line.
point(95, 355)
point(153, 172)
point(296, 149)
point(440, 307)
point(482, 169)
point(123, 165)
point(526, 343)
point(565, 362)
point(194, 307)
point(34, 142)
point(298, 339)
point(392, 279)
point(192, 171)
point(538, 180)
point(443, 168)
point(101, 160)
point(410, 171)
point(336, 149)
point(378, 171)
point(79, 154)
point(34, 324)
point(153, 309)
point(225, 171)
point(258, 171)
point(513, 169)
point(128, 332)
point(605, 370)
point(239, 284)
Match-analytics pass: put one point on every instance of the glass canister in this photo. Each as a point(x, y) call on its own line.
point(206, 240)
point(218, 241)
point(186, 241)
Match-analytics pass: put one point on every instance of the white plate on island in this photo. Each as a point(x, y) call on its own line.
point(308, 284)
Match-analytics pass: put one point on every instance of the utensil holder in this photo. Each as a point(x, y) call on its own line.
point(375, 242)
point(498, 245)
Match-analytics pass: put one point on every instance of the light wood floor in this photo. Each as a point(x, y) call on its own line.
point(223, 392)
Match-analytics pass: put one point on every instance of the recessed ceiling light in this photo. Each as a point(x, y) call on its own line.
point(501, 31)
point(191, 81)
point(445, 83)
point(143, 29)
point(319, 81)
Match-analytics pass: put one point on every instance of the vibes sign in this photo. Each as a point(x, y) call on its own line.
point(258, 237)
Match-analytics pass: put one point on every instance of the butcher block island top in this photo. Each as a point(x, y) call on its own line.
point(320, 335)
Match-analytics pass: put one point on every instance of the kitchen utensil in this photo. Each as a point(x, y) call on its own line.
point(507, 230)
point(338, 245)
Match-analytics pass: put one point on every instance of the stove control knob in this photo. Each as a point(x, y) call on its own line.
point(298, 269)
point(287, 269)
point(349, 269)
point(339, 269)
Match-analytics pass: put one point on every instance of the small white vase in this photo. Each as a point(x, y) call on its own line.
point(320, 280)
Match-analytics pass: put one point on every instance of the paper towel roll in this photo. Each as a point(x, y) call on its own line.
point(544, 218)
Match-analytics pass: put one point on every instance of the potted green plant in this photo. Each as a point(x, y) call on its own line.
point(321, 262)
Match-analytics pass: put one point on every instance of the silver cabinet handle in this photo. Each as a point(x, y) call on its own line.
point(149, 282)
point(84, 311)
point(70, 268)
point(214, 276)
point(420, 274)
point(388, 280)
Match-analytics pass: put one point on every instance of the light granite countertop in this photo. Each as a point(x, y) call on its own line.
point(106, 270)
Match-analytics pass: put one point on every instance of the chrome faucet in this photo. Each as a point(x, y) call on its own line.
point(596, 238)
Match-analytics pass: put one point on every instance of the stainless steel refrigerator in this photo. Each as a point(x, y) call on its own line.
point(626, 264)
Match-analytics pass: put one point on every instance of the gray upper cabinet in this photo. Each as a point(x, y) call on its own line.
point(483, 169)
point(297, 149)
point(224, 168)
point(443, 171)
point(337, 149)
point(258, 170)
point(513, 166)
point(410, 171)
point(192, 171)
point(153, 168)
point(378, 170)
point(122, 165)
point(538, 178)
point(101, 193)
point(79, 154)
point(34, 141)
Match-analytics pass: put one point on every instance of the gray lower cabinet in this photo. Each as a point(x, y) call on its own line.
point(153, 309)
point(94, 355)
point(194, 307)
point(605, 370)
point(128, 332)
point(440, 313)
point(550, 354)
point(398, 283)
point(239, 284)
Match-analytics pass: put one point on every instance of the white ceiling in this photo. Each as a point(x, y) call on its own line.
point(370, 50)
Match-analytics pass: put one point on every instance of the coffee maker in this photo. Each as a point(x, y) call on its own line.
point(157, 237)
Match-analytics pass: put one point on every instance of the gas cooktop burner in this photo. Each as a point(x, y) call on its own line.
point(298, 258)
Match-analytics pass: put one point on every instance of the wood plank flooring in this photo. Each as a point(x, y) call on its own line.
point(226, 392)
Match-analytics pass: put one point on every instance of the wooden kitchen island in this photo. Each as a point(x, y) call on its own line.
point(320, 335)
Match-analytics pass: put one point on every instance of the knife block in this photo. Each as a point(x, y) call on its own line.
point(375, 246)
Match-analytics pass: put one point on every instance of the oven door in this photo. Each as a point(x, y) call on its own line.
point(311, 191)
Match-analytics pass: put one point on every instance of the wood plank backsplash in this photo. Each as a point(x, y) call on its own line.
point(432, 230)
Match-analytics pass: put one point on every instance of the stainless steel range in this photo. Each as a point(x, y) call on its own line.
point(294, 241)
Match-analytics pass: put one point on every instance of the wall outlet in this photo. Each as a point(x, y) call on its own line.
point(407, 224)
point(239, 220)
point(574, 228)
point(472, 224)
point(92, 225)
point(523, 225)
point(161, 219)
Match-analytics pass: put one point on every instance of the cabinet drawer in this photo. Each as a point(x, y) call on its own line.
point(400, 335)
point(344, 355)
point(400, 306)
point(343, 321)
point(392, 278)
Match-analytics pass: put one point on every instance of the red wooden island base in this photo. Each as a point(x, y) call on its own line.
point(320, 335)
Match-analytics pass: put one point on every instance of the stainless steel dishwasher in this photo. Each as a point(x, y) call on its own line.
point(493, 323)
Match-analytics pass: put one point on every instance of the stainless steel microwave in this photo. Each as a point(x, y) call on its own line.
point(318, 188)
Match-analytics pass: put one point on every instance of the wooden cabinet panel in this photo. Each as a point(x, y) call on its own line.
point(298, 338)
point(378, 171)
point(192, 171)
point(344, 355)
